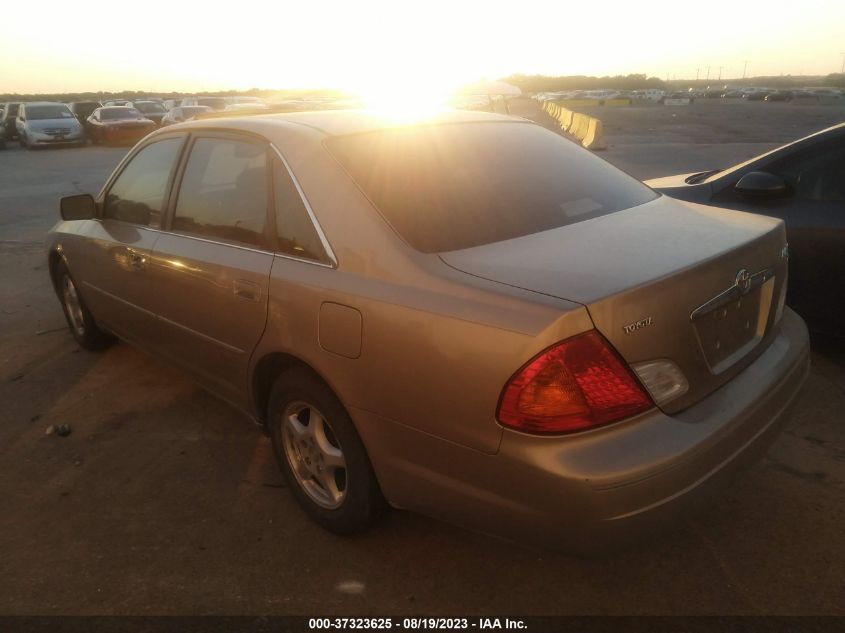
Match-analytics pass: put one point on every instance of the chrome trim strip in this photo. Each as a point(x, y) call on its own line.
point(304, 261)
point(205, 337)
point(208, 241)
point(323, 239)
point(202, 239)
point(88, 284)
point(734, 293)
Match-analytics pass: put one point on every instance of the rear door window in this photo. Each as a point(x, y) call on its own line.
point(138, 193)
point(454, 186)
point(223, 194)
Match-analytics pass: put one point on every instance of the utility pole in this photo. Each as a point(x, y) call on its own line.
point(696, 73)
point(744, 67)
point(720, 73)
point(708, 73)
point(843, 63)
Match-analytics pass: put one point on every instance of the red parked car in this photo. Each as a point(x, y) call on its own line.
point(117, 124)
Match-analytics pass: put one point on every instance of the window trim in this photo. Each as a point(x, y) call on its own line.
point(102, 196)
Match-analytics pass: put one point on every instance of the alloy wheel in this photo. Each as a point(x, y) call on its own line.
point(314, 454)
point(73, 306)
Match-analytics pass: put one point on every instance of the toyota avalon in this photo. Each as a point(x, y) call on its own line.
point(469, 317)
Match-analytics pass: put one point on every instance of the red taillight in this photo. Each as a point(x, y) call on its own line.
point(577, 384)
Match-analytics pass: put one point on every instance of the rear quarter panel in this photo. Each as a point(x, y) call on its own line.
point(437, 345)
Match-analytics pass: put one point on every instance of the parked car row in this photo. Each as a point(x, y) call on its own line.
point(757, 93)
point(37, 124)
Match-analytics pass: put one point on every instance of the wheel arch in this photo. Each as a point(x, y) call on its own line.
point(54, 258)
point(268, 368)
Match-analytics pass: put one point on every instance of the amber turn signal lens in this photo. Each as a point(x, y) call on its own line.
point(577, 384)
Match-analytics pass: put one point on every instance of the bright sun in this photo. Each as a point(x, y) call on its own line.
point(406, 101)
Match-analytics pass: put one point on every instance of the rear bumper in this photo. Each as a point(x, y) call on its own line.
point(604, 488)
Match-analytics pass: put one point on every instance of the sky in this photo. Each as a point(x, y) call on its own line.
point(361, 45)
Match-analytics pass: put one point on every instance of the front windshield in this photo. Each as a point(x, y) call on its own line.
point(36, 113)
point(150, 107)
point(120, 112)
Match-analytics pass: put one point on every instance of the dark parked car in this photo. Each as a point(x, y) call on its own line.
point(183, 113)
point(802, 183)
point(218, 104)
point(83, 109)
point(8, 121)
point(759, 95)
point(780, 95)
point(153, 110)
point(118, 124)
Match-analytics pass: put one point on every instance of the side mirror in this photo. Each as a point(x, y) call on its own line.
point(761, 184)
point(80, 207)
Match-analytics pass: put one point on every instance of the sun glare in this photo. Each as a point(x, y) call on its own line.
point(406, 102)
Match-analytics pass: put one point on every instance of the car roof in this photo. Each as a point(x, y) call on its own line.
point(43, 103)
point(342, 122)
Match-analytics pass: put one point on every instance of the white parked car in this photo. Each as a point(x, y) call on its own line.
point(44, 123)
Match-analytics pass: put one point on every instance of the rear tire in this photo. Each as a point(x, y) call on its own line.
point(81, 322)
point(321, 454)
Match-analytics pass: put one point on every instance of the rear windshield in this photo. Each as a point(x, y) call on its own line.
point(212, 102)
point(454, 186)
point(150, 107)
point(119, 112)
point(34, 113)
point(189, 111)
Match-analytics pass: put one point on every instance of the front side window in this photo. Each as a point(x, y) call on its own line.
point(138, 194)
point(295, 230)
point(224, 191)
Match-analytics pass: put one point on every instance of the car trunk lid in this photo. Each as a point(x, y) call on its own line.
point(666, 280)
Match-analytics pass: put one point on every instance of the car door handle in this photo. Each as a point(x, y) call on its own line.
point(137, 261)
point(248, 290)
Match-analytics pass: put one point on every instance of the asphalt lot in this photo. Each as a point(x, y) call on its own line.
point(164, 500)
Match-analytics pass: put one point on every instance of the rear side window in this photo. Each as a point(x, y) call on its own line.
point(817, 173)
point(454, 186)
point(137, 195)
point(224, 191)
point(295, 230)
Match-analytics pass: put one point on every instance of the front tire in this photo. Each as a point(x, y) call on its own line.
point(79, 319)
point(321, 454)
